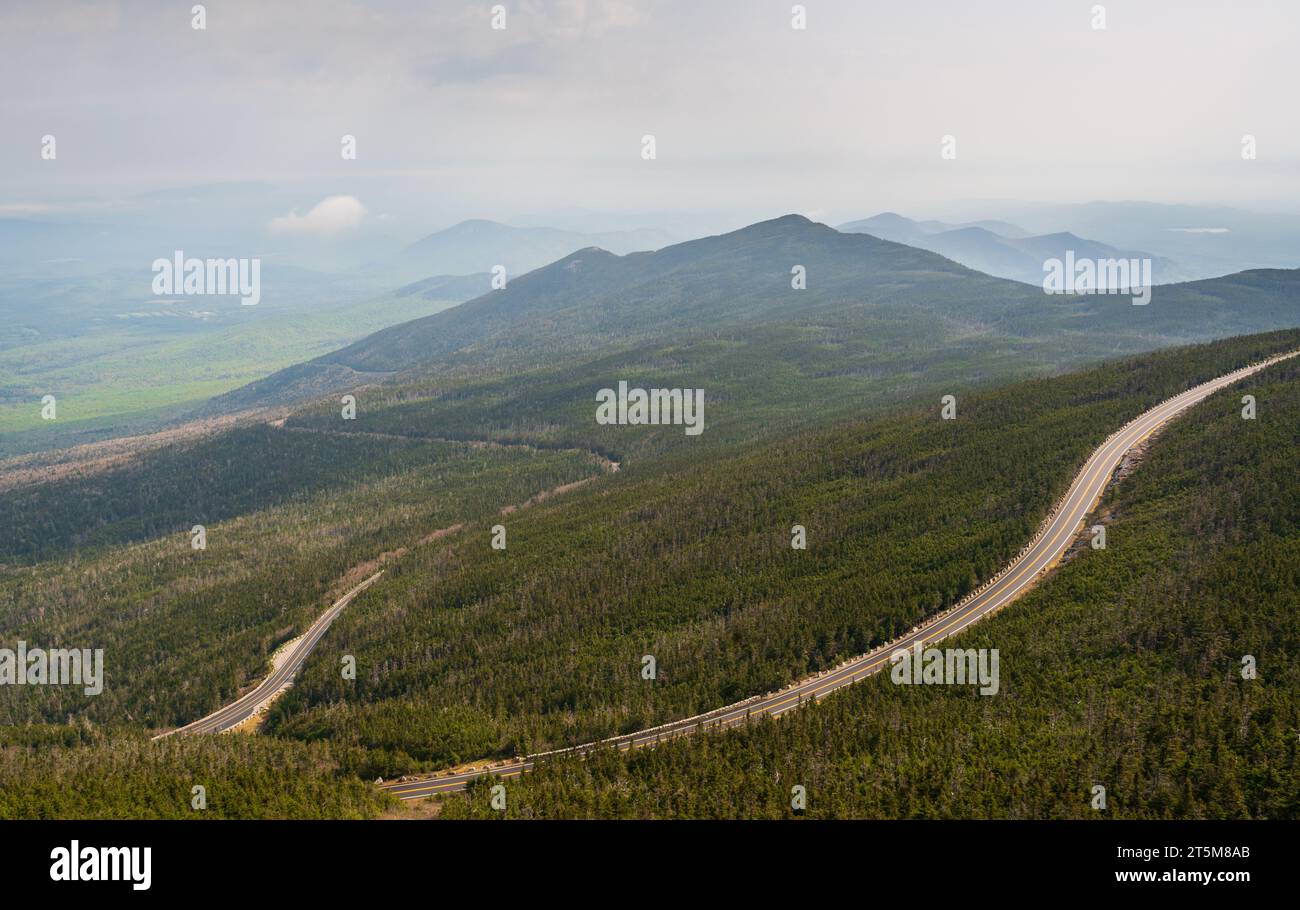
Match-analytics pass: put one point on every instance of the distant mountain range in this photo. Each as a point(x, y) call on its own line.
point(592, 302)
point(42, 247)
point(1004, 249)
point(478, 246)
point(1207, 240)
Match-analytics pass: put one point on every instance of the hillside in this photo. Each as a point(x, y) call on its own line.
point(738, 286)
point(1003, 249)
point(593, 298)
point(539, 648)
point(466, 653)
point(1123, 670)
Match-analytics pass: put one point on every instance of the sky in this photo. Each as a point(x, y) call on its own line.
point(544, 119)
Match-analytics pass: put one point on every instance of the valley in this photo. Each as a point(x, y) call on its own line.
point(408, 712)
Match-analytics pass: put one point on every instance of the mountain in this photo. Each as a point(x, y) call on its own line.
point(900, 229)
point(446, 287)
point(593, 298)
point(1004, 249)
point(895, 227)
point(734, 285)
point(1206, 240)
point(479, 246)
point(1002, 228)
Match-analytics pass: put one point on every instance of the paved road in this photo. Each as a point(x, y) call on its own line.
point(1048, 545)
point(239, 710)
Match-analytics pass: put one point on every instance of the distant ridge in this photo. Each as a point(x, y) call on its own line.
point(592, 302)
point(1003, 249)
point(477, 246)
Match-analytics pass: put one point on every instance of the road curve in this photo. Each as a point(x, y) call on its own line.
point(1040, 555)
point(244, 707)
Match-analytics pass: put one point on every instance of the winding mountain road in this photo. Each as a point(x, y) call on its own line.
point(244, 707)
point(232, 715)
point(1042, 554)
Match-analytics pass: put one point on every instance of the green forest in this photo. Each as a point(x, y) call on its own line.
point(1122, 670)
point(466, 652)
point(185, 630)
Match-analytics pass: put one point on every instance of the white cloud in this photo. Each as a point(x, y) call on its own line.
point(24, 208)
point(332, 215)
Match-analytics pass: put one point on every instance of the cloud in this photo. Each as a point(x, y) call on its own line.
point(332, 215)
point(548, 112)
point(24, 208)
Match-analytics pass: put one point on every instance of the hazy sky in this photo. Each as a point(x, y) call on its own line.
point(454, 119)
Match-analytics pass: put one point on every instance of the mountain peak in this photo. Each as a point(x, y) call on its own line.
point(792, 218)
point(890, 217)
point(785, 224)
point(474, 224)
point(589, 251)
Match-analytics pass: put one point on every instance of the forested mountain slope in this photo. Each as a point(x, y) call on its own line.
point(289, 517)
point(80, 771)
point(689, 560)
point(465, 652)
point(1123, 670)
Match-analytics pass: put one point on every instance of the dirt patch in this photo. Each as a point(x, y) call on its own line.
point(359, 572)
point(439, 534)
point(414, 810)
point(547, 494)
